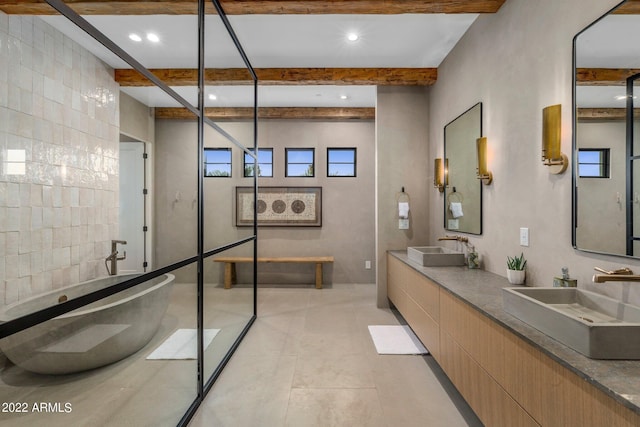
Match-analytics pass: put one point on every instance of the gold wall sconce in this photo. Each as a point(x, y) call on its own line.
point(440, 174)
point(551, 140)
point(483, 174)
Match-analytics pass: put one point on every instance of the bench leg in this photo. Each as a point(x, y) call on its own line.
point(234, 276)
point(318, 275)
point(229, 274)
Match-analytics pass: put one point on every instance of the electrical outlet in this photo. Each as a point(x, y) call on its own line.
point(367, 265)
point(524, 236)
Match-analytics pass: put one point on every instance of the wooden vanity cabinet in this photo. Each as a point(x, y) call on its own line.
point(416, 298)
point(472, 356)
point(506, 380)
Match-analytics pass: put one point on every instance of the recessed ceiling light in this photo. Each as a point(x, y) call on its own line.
point(352, 37)
point(135, 37)
point(153, 37)
point(213, 97)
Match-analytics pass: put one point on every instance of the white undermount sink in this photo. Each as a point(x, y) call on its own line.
point(595, 325)
point(435, 256)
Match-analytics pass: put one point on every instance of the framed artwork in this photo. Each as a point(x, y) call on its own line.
point(280, 206)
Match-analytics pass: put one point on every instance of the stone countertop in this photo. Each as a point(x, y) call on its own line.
point(482, 290)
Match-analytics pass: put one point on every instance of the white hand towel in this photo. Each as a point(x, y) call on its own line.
point(456, 209)
point(403, 210)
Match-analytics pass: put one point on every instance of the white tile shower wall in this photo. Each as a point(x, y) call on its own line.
point(59, 133)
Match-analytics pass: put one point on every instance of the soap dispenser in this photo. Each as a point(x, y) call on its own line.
point(472, 258)
point(564, 281)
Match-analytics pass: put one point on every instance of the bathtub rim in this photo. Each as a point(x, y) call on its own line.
point(169, 278)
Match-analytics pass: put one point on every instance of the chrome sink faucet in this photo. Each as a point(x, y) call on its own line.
point(113, 257)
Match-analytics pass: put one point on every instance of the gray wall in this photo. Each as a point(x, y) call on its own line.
point(347, 230)
point(517, 62)
point(402, 160)
point(598, 197)
point(136, 119)
point(175, 183)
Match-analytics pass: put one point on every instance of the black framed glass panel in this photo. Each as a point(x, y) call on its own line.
point(72, 167)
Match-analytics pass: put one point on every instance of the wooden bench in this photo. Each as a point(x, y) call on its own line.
point(230, 265)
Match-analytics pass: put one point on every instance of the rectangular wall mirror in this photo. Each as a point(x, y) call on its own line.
point(463, 194)
point(606, 196)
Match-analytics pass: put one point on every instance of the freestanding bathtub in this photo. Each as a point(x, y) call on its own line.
point(95, 335)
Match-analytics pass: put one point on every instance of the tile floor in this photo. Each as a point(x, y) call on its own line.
point(308, 360)
point(134, 391)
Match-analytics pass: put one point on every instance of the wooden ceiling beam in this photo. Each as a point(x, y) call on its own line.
point(631, 7)
point(286, 76)
point(605, 114)
point(246, 113)
point(248, 7)
point(604, 76)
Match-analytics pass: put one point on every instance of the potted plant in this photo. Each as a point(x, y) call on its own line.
point(515, 269)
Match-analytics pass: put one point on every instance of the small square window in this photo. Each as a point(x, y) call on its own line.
point(593, 163)
point(300, 162)
point(341, 162)
point(217, 162)
point(265, 163)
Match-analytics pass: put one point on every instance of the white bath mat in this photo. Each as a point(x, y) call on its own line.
point(182, 344)
point(396, 339)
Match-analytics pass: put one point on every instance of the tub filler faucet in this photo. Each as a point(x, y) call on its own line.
point(113, 258)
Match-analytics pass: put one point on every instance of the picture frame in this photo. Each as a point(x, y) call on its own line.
point(280, 206)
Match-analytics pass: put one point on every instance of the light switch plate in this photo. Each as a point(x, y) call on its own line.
point(524, 236)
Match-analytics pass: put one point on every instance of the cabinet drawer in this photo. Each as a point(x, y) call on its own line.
point(489, 400)
point(425, 293)
point(424, 326)
point(395, 283)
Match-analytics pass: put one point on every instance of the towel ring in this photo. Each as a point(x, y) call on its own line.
point(459, 197)
point(401, 196)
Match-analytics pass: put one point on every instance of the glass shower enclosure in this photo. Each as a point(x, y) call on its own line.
point(80, 342)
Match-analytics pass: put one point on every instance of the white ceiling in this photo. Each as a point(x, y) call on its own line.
point(601, 96)
point(269, 96)
point(278, 41)
point(612, 42)
point(282, 41)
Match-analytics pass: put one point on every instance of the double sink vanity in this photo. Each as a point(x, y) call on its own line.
point(595, 325)
point(521, 356)
point(554, 357)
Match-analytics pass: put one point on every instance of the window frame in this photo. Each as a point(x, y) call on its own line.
point(354, 163)
point(287, 163)
point(218, 149)
point(605, 163)
point(245, 164)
